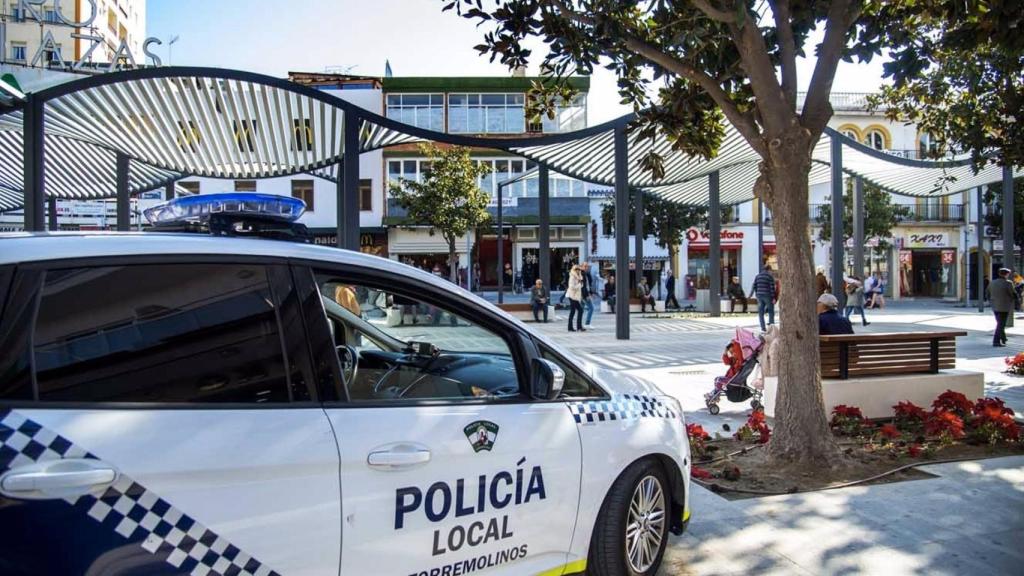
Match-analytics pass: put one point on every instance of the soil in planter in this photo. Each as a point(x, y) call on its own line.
point(758, 476)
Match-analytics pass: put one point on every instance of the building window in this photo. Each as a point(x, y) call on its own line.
point(50, 16)
point(112, 20)
point(420, 110)
point(245, 185)
point(486, 113)
point(302, 135)
point(190, 187)
point(877, 137)
point(53, 56)
point(366, 195)
point(17, 12)
point(567, 116)
point(303, 190)
point(926, 145)
point(19, 52)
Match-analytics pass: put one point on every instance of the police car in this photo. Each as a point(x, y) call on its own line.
point(207, 404)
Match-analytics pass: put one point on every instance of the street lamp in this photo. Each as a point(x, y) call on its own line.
point(501, 231)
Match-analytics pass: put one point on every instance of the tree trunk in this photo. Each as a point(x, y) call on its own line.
point(801, 433)
point(453, 262)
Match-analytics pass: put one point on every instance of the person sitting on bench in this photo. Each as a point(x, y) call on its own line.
point(736, 294)
point(643, 292)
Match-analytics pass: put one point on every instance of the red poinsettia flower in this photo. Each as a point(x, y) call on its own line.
point(984, 403)
point(954, 402)
point(889, 431)
point(942, 422)
point(914, 450)
point(700, 473)
point(909, 412)
point(847, 411)
point(696, 432)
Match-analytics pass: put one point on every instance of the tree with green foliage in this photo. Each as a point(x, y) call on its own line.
point(956, 74)
point(881, 215)
point(447, 198)
point(665, 221)
point(688, 67)
point(993, 197)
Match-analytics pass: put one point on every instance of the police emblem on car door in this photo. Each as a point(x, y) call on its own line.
point(481, 434)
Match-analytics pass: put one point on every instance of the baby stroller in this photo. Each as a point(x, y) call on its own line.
point(741, 356)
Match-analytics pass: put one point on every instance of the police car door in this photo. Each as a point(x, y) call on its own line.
point(160, 419)
point(447, 467)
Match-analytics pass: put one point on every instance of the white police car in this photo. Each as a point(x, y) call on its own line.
point(190, 404)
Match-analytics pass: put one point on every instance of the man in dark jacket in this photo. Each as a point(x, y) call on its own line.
point(736, 294)
point(539, 296)
point(830, 321)
point(1003, 297)
point(670, 290)
point(764, 290)
point(609, 292)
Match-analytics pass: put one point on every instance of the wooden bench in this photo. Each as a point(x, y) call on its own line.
point(846, 355)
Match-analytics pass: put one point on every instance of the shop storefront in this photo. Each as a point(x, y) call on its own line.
point(370, 241)
point(928, 265)
point(700, 272)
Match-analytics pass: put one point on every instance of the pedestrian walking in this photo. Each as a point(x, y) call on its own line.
point(575, 295)
point(609, 292)
point(765, 292)
point(539, 297)
point(670, 290)
point(1003, 297)
point(736, 294)
point(821, 282)
point(588, 292)
point(643, 292)
point(873, 288)
point(855, 299)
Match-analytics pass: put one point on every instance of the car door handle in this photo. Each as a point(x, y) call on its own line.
point(56, 478)
point(398, 457)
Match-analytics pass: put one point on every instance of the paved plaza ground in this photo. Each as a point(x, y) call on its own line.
point(967, 520)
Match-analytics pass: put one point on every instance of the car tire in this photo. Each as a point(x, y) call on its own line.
point(623, 514)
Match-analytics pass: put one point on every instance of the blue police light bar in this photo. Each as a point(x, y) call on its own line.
point(198, 208)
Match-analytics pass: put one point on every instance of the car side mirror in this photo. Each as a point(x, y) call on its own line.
point(547, 380)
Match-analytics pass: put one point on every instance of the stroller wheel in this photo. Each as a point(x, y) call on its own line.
point(714, 409)
point(756, 405)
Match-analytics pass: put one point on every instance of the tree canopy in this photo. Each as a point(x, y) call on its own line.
point(448, 197)
point(881, 215)
point(664, 221)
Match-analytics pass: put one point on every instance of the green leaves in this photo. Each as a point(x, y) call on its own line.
point(880, 214)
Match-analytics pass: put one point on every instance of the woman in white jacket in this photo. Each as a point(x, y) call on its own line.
point(575, 295)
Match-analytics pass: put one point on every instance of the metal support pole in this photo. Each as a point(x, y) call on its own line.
point(339, 220)
point(544, 232)
point(169, 191)
point(638, 233)
point(858, 228)
point(124, 200)
point(980, 252)
point(837, 222)
point(1009, 254)
point(51, 214)
point(760, 235)
point(622, 290)
point(350, 198)
point(33, 155)
point(501, 249)
point(714, 245)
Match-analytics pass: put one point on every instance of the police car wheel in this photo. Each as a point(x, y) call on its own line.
point(632, 529)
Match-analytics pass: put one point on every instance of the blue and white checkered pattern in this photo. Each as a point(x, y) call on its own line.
point(623, 407)
point(130, 509)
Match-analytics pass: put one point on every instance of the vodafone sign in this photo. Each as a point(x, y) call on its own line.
point(697, 237)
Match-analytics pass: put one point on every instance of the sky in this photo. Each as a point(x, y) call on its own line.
point(361, 35)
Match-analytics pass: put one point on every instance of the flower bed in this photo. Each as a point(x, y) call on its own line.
point(954, 428)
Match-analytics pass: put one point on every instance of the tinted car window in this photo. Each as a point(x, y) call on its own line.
point(159, 333)
point(576, 384)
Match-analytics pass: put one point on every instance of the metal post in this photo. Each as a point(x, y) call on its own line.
point(544, 232)
point(339, 221)
point(858, 227)
point(51, 214)
point(714, 245)
point(350, 199)
point(1009, 254)
point(837, 221)
point(622, 290)
point(124, 201)
point(638, 233)
point(169, 191)
point(33, 154)
point(501, 249)
point(980, 229)
point(760, 235)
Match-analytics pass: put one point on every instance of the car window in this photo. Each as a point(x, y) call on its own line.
point(576, 384)
point(159, 333)
point(410, 349)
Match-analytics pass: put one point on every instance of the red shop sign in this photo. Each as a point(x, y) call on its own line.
point(697, 237)
point(948, 256)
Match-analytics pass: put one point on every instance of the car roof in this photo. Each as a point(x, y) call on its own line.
point(22, 247)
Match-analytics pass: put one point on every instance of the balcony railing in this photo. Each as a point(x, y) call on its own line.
point(917, 213)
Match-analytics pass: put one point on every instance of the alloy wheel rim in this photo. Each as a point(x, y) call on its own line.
point(645, 524)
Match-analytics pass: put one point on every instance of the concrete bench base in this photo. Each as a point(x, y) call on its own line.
point(659, 306)
point(527, 315)
point(876, 395)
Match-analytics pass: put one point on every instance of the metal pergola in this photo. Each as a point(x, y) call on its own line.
point(121, 133)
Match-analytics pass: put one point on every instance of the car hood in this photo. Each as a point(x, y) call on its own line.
point(617, 383)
